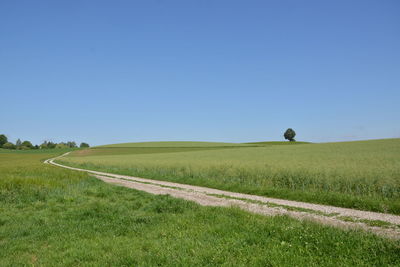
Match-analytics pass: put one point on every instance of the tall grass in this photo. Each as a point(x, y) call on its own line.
point(364, 175)
point(176, 144)
point(56, 217)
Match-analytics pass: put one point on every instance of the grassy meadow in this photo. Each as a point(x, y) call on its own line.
point(178, 144)
point(51, 216)
point(278, 143)
point(363, 174)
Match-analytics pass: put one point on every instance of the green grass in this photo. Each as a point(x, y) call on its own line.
point(38, 151)
point(140, 150)
point(51, 216)
point(273, 143)
point(175, 144)
point(363, 175)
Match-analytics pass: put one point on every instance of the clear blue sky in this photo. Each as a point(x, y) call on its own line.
point(120, 71)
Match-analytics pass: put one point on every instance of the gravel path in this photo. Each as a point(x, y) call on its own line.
point(329, 215)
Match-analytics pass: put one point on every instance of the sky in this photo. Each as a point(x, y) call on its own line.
point(236, 71)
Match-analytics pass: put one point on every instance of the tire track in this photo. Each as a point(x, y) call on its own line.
point(328, 215)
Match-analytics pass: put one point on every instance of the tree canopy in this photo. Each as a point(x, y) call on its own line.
point(290, 134)
point(9, 145)
point(84, 145)
point(18, 143)
point(4, 143)
point(27, 144)
point(3, 140)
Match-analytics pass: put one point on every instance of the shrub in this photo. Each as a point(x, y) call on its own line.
point(9, 145)
point(84, 145)
point(27, 144)
point(71, 144)
point(62, 145)
point(51, 145)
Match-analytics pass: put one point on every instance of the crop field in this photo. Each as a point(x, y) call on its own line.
point(363, 174)
point(56, 217)
point(277, 143)
point(178, 144)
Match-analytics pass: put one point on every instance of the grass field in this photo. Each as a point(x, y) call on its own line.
point(56, 217)
point(176, 144)
point(278, 143)
point(363, 174)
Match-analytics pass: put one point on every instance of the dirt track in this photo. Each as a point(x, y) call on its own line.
point(329, 215)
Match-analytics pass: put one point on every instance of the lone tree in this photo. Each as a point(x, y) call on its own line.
point(290, 134)
point(3, 139)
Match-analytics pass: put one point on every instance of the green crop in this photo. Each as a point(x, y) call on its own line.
point(362, 175)
point(50, 216)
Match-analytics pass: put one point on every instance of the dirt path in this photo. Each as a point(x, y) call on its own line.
point(380, 223)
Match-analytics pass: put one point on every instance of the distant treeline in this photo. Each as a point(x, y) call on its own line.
point(26, 145)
